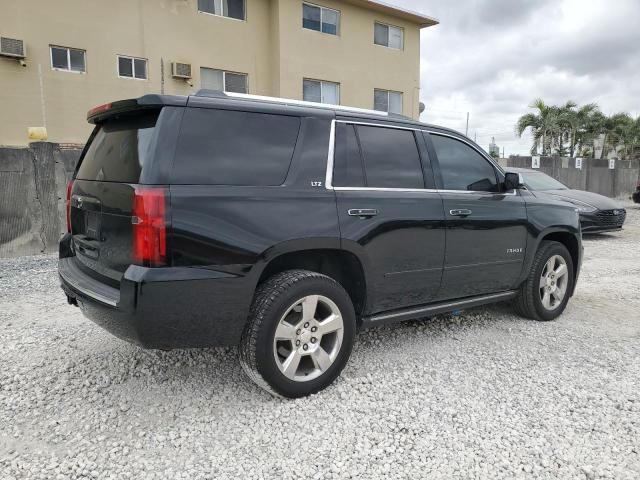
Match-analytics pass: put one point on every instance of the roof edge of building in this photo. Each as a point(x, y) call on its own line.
point(422, 20)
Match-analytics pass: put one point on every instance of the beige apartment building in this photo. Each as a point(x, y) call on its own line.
point(60, 58)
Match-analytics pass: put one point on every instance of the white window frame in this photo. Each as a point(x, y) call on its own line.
point(322, 9)
point(389, 26)
point(223, 15)
point(68, 49)
point(389, 92)
point(133, 67)
point(224, 78)
point(322, 83)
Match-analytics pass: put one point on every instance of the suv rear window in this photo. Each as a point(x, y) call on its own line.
point(119, 149)
point(224, 147)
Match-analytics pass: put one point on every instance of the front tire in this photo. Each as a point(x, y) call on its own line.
point(545, 293)
point(299, 335)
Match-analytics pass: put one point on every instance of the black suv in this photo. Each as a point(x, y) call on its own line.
point(284, 227)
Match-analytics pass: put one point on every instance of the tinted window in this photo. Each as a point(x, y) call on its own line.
point(391, 158)
point(462, 167)
point(118, 150)
point(311, 17)
point(347, 169)
point(125, 67)
point(221, 147)
point(59, 58)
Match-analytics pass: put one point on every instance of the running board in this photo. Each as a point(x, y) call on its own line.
point(434, 309)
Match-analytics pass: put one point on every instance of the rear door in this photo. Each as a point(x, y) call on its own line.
point(118, 153)
point(486, 227)
point(389, 212)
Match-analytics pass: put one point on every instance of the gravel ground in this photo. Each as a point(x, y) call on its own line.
point(484, 394)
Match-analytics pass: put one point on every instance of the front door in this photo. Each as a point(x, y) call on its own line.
point(486, 226)
point(389, 212)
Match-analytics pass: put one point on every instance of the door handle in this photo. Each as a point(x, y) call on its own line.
point(362, 212)
point(460, 212)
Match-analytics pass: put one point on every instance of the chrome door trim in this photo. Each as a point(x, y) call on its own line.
point(331, 159)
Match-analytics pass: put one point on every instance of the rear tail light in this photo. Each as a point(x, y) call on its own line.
point(68, 204)
point(149, 226)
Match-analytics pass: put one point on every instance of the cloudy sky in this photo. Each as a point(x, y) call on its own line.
point(493, 57)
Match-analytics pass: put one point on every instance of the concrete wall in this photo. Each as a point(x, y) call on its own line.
point(595, 175)
point(32, 197)
point(270, 46)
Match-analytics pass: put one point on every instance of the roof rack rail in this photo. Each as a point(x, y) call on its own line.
point(286, 102)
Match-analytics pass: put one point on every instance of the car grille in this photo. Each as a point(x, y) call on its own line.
point(611, 218)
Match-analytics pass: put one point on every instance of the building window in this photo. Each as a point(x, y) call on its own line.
point(387, 101)
point(68, 59)
point(223, 8)
point(388, 36)
point(321, 92)
point(213, 79)
point(131, 67)
point(320, 19)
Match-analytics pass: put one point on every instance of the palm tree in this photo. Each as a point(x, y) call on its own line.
point(544, 126)
point(579, 123)
point(624, 135)
point(612, 128)
point(552, 127)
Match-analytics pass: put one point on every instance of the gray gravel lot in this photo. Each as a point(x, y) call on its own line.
point(481, 395)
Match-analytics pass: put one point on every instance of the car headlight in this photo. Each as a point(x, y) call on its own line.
point(582, 207)
point(586, 208)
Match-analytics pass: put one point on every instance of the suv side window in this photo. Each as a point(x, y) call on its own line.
point(376, 157)
point(348, 170)
point(462, 167)
point(226, 147)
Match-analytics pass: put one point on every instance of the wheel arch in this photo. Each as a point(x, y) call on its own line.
point(572, 244)
point(343, 266)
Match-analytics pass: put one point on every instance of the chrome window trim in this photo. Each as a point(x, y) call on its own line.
point(331, 159)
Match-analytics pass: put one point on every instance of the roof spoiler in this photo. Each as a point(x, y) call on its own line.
point(146, 102)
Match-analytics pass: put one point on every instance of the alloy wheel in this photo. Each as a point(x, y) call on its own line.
point(308, 338)
point(553, 282)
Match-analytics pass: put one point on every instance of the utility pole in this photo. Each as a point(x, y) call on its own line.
point(503, 152)
point(475, 137)
point(467, 130)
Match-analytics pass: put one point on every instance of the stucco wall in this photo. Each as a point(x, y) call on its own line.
point(270, 46)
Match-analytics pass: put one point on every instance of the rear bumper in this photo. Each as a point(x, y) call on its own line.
point(163, 308)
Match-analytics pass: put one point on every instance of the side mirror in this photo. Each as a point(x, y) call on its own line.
point(513, 181)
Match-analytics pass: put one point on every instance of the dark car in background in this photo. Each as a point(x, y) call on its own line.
point(597, 212)
point(636, 194)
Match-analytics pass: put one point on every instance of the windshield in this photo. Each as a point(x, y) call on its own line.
point(541, 181)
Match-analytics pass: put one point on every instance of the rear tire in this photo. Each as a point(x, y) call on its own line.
point(545, 293)
point(299, 335)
